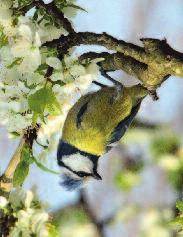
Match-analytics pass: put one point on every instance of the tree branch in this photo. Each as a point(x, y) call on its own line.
point(64, 43)
point(151, 64)
point(6, 178)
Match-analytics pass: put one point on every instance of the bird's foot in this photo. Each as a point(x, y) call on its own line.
point(153, 94)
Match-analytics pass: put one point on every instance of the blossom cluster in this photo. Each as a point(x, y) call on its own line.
point(30, 217)
point(27, 96)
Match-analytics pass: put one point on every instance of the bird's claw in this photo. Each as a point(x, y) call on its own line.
point(153, 94)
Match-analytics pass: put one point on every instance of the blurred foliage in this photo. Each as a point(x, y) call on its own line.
point(53, 232)
point(73, 214)
point(125, 215)
point(178, 221)
point(74, 222)
point(137, 136)
point(155, 223)
point(166, 150)
point(126, 180)
point(164, 144)
point(129, 176)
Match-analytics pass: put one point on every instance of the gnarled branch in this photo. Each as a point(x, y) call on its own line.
point(151, 64)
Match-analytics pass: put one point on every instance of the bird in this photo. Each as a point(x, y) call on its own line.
point(95, 123)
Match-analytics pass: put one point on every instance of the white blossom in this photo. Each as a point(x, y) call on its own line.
point(49, 33)
point(6, 55)
point(54, 62)
point(31, 219)
point(5, 12)
point(77, 70)
point(3, 202)
point(21, 76)
point(57, 76)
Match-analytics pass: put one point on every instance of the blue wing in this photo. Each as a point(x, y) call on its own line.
point(121, 128)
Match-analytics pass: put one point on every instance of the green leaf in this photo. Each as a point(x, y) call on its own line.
point(42, 68)
point(15, 134)
point(179, 205)
point(53, 105)
point(177, 221)
point(17, 61)
point(38, 100)
point(33, 86)
point(20, 174)
point(22, 169)
point(26, 155)
point(34, 119)
point(76, 7)
point(52, 231)
point(3, 39)
point(44, 99)
point(35, 16)
point(44, 168)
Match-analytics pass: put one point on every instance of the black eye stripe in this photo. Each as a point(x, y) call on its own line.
point(83, 174)
point(78, 173)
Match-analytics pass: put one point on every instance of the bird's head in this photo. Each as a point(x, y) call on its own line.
point(78, 166)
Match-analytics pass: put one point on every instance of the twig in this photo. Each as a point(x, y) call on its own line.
point(52, 9)
point(6, 178)
point(104, 74)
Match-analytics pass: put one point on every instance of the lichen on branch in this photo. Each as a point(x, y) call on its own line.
point(151, 64)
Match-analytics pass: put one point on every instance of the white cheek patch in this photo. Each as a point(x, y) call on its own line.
point(77, 162)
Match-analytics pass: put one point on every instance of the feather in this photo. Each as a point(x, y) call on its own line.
point(121, 128)
point(70, 183)
point(81, 114)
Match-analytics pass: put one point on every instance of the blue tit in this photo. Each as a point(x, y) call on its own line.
point(93, 125)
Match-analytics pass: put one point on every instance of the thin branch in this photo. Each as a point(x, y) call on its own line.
point(52, 9)
point(104, 74)
point(6, 178)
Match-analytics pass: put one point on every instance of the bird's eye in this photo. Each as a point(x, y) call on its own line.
point(82, 174)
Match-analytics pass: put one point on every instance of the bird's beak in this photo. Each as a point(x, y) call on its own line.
point(97, 176)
